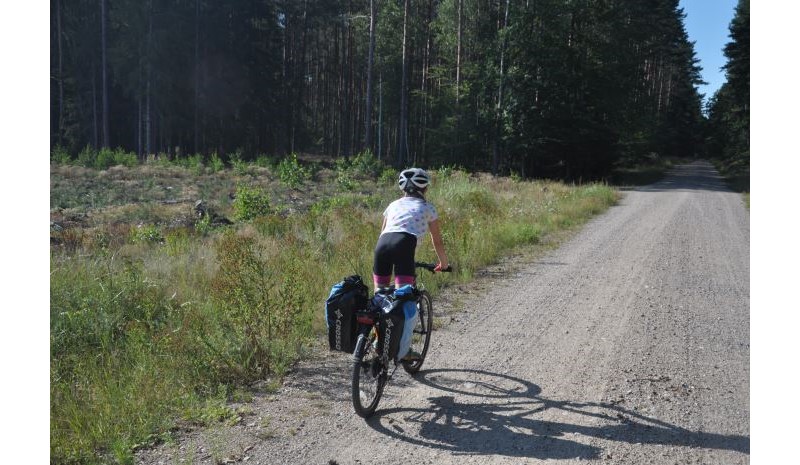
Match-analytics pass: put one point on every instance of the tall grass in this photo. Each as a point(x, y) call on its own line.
point(737, 176)
point(145, 332)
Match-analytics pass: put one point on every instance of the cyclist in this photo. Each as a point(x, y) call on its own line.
point(405, 222)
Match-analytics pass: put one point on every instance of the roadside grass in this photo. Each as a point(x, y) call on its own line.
point(737, 176)
point(158, 324)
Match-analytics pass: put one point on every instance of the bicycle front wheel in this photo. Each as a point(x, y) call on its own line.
point(369, 377)
point(421, 339)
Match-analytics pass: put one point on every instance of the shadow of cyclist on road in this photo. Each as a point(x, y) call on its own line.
point(490, 413)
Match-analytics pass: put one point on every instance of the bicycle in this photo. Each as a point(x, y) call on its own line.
point(371, 365)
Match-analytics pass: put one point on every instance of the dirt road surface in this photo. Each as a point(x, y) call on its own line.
point(628, 344)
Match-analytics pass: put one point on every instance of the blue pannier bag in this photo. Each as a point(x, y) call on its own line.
point(400, 319)
point(345, 298)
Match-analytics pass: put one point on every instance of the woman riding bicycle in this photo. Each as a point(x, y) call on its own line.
point(405, 222)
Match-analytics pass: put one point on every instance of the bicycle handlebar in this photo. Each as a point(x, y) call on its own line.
point(432, 267)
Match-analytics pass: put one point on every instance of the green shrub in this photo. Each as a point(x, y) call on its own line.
point(445, 172)
point(250, 203)
point(60, 156)
point(264, 161)
point(203, 225)
point(104, 159)
point(242, 288)
point(345, 181)
point(291, 172)
point(86, 157)
point(362, 165)
point(240, 167)
point(388, 176)
point(195, 164)
point(129, 159)
point(146, 233)
point(215, 163)
point(177, 241)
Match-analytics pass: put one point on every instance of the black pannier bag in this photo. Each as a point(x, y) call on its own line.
point(398, 312)
point(345, 299)
point(393, 321)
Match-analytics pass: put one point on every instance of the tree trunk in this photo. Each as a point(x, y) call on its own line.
point(60, 132)
point(380, 113)
point(148, 123)
point(498, 125)
point(350, 86)
point(139, 130)
point(196, 74)
point(458, 51)
point(424, 82)
point(103, 23)
point(286, 85)
point(402, 142)
point(370, 63)
point(342, 98)
point(94, 106)
point(299, 113)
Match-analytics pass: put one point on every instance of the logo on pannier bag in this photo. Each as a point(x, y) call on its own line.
point(388, 337)
point(339, 316)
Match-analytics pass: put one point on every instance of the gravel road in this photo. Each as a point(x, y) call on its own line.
point(628, 344)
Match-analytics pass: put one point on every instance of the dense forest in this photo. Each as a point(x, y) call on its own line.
point(544, 88)
point(729, 109)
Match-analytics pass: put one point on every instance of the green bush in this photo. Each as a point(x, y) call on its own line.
point(86, 157)
point(388, 176)
point(240, 167)
point(146, 233)
point(445, 172)
point(264, 161)
point(362, 165)
point(242, 287)
point(215, 163)
point(250, 203)
point(60, 156)
point(345, 181)
point(104, 159)
point(193, 163)
point(291, 172)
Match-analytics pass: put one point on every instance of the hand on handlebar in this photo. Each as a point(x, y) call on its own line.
point(441, 268)
point(434, 268)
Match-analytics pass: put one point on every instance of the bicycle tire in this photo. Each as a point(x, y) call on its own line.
point(369, 379)
point(421, 339)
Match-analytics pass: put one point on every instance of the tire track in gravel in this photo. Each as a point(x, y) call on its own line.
point(628, 344)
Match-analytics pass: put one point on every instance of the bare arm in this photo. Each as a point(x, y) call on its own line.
point(383, 225)
point(438, 244)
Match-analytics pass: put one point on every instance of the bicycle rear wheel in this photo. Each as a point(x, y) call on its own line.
point(421, 339)
point(369, 377)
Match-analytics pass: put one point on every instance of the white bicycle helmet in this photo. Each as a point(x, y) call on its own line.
point(413, 179)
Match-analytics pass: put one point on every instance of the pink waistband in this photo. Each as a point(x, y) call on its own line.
point(381, 281)
point(402, 280)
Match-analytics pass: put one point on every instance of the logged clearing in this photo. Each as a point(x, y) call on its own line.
point(628, 344)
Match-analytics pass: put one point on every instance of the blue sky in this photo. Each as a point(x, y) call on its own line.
point(707, 25)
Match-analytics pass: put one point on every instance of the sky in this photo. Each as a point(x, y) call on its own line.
point(707, 24)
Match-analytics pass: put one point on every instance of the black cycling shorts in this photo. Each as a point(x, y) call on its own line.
point(395, 249)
